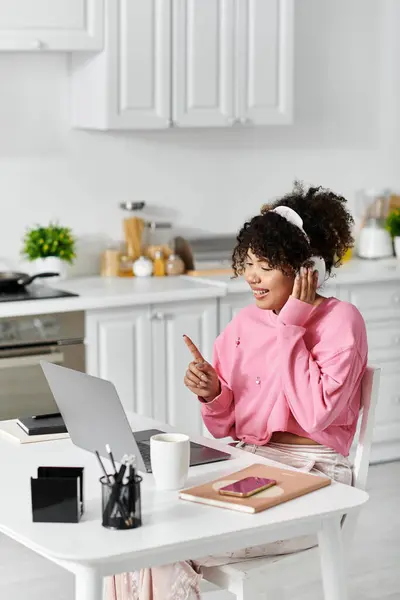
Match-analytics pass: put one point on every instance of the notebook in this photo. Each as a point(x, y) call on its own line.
point(42, 425)
point(290, 484)
point(10, 430)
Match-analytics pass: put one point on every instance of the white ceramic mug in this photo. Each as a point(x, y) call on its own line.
point(170, 459)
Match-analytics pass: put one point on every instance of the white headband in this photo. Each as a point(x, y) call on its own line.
point(295, 219)
point(292, 216)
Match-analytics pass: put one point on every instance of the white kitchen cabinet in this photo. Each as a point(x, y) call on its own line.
point(187, 63)
point(118, 343)
point(379, 303)
point(127, 86)
point(203, 63)
point(230, 305)
point(51, 25)
point(173, 402)
point(265, 61)
point(142, 351)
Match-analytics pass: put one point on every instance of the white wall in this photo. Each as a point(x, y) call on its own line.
point(346, 136)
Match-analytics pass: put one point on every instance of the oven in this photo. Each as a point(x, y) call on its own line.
point(24, 342)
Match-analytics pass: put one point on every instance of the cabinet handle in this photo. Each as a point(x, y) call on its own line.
point(35, 44)
point(158, 316)
point(396, 299)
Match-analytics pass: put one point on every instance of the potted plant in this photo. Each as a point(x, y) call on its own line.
point(393, 226)
point(50, 248)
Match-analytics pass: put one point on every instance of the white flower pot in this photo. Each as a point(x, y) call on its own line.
point(396, 241)
point(51, 264)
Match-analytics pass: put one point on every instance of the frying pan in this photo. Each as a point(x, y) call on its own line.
point(11, 281)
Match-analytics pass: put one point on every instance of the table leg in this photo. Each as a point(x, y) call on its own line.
point(88, 584)
point(332, 560)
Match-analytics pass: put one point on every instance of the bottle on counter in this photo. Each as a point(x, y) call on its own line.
point(143, 267)
point(175, 265)
point(159, 264)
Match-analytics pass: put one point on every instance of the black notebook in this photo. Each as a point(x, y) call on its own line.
point(42, 425)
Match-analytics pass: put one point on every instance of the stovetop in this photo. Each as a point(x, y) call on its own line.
point(34, 292)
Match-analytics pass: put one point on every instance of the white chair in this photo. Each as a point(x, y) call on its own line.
point(251, 580)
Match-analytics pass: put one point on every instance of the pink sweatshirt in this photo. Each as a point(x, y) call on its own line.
point(298, 371)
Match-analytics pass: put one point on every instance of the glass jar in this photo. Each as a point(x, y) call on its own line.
point(175, 265)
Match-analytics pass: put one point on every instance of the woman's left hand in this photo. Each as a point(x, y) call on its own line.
point(305, 285)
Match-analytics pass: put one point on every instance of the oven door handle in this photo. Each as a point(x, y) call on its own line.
point(30, 361)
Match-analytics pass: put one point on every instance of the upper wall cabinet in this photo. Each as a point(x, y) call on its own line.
point(127, 86)
point(264, 64)
point(51, 25)
point(188, 63)
point(203, 63)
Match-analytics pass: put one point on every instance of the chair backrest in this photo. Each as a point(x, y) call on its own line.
point(369, 399)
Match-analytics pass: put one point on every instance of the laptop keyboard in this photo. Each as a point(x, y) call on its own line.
point(144, 450)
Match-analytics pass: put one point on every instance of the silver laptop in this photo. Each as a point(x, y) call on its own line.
point(94, 417)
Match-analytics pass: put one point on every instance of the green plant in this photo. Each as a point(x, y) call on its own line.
point(53, 240)
point(393, 223)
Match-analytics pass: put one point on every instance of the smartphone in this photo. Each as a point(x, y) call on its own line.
point(244, 488)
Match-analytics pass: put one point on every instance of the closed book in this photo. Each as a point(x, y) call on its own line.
point(42, 426)
point(290, 484)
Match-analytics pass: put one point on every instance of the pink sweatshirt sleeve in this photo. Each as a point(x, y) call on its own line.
point(219, 414)
point(317, 392)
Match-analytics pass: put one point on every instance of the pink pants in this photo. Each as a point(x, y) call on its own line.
point(181, 581)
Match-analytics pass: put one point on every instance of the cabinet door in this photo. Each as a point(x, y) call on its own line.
point(203, 63)
point(265, 61)
point(118, 349)
point(173, 402)
point(230, 305)
point(128, 85)
point(51, 24)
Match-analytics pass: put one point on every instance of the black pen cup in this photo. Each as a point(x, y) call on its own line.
point(121, 503)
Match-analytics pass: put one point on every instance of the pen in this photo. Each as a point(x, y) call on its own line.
point(103, 468)
point(110, 454)
point(47, 416)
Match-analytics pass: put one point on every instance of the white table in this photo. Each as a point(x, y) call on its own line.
point(172, 529)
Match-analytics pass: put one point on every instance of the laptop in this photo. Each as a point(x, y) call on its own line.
point(94, 416)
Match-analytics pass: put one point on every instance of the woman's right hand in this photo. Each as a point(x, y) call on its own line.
point(201, 378)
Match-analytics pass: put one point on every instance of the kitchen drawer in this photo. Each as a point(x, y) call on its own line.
point(376, 300)
point(383, 340)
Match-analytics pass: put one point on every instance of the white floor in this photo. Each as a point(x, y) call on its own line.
point(374, 570)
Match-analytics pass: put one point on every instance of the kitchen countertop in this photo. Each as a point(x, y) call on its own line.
point(103, 292)
point(109, 292)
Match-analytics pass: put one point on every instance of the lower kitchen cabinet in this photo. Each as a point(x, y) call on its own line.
point(141, 350)
point(118, 348)
point(172, 401)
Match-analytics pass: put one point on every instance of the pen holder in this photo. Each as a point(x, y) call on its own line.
point(121, 505)
point(57, 495)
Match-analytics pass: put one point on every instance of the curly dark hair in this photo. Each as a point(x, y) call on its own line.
point(270, 236)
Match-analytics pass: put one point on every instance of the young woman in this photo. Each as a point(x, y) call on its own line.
point(286, 372)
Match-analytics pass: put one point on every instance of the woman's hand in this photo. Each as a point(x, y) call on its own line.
point(305, 285)
point(201, 378)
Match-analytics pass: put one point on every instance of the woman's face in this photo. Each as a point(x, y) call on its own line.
point(271, 288)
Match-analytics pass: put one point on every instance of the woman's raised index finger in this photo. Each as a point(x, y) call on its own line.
point(193, 349)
